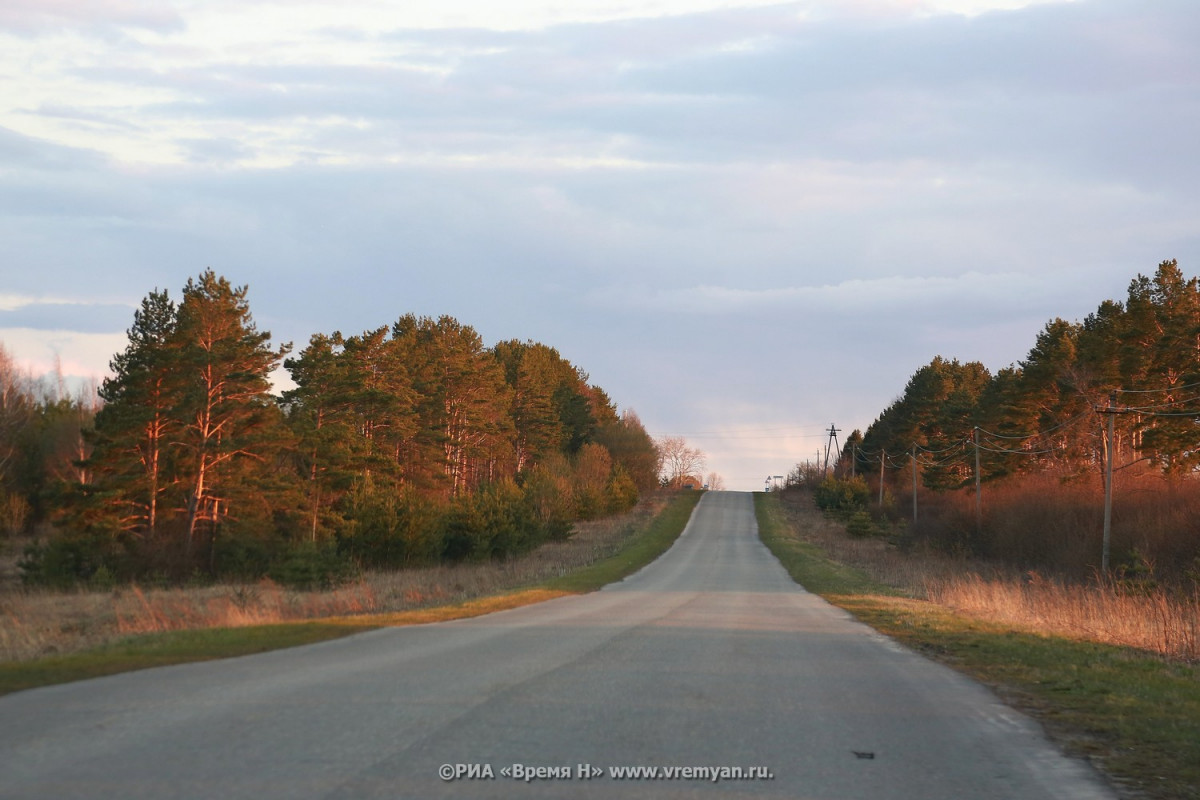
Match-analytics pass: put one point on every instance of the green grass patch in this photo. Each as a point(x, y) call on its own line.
point(1134, 714)
point(640, 550)
point(177, 647)
point(804, 561)
point(163, 649)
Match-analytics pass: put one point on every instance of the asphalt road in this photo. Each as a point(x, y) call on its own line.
point(709, 660)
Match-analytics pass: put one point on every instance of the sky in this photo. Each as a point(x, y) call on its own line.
point(746, 221)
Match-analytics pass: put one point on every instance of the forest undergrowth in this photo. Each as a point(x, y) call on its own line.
point(1127, 608)
point(36, 622)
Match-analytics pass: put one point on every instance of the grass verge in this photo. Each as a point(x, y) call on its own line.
point(1133, 714)
point(176, 647)
point(659, 535)
point(163, 649)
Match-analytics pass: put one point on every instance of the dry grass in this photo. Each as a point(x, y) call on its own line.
point(1165, 621)
point(1157, 621)
point(35, 623)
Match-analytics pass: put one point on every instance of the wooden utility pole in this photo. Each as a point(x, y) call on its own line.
point(914, 469)
point(978, 488)
point(882, 456)
point(1110, 449)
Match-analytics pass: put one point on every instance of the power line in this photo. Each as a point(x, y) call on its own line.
point(1151, 391)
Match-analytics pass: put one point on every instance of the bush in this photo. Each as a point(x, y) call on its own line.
point(312, 565)
point(622, 491)
point(241, 557)
point(389, 530)
point(859, 524)
point(846, 495)
point(548, 495)
point(507, 523)
point(63, 562)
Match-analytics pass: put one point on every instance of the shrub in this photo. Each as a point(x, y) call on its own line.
point(837, 494)
point(312, 565)
point(387, 529)
point(548, 495)
point(63, 562)
point(859, 524)
point(622, 491)
point(241, 557)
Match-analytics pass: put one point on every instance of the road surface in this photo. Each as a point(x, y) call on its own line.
point(707, 662)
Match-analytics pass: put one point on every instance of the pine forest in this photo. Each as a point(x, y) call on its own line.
point(403, 445)
point(1012, 465)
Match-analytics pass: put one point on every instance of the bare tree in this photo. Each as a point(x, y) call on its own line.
point(714, 482)
point(679, 461)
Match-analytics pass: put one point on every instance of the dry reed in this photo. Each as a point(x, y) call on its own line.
point(36, 622)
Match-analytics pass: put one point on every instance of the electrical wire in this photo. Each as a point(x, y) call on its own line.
point(1049, 430)
point(1151, 391)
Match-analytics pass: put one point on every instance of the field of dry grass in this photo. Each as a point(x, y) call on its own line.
point(36, 622)
point(1158, 620)
point(1162, 620)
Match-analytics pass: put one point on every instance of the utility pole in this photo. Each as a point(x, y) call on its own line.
point(833, 432)
point(914, 469)
point(882, 456)
point(978, 489)
point(1110, 448)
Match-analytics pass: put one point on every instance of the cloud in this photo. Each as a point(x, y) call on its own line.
point(975, 290)
point(78, 317)
point(718, 85)
point(34, 16)
point(27, 154)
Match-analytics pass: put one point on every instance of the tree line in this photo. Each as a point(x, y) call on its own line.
point(1139, 359)
point(1036, 434)
point(406, 444)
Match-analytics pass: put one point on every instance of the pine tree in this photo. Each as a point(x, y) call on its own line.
point(319, 414)
point(1165, 321)
point(225, 409)
point(465, 432)
point(131, 466)
point(532, 372)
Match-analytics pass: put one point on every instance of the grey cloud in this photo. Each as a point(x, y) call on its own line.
point(104, 18)
point(1058, 85)
point(85, 117)
point(1033, 82)
point(214, 151)
point(1071, 47)
point(20, 152)
point(81, 317)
